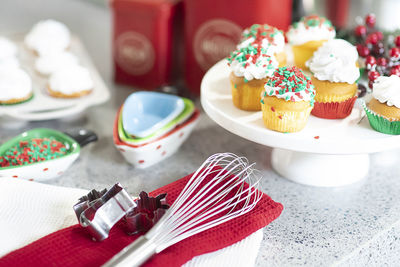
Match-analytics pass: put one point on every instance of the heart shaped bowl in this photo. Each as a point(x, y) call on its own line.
point(146, 155)
point(181, 118)
point(144, 113)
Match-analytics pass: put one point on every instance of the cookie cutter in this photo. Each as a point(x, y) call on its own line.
point(99, 211)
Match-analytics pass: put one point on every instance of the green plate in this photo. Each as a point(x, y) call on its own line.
point(72, 146)
point(185, 114)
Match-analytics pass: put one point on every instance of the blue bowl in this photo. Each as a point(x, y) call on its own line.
point(146, 112)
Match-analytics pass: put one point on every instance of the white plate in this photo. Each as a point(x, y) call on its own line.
point(345, 136)
point(45, 107)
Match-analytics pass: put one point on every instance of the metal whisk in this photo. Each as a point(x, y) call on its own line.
point(223, 188)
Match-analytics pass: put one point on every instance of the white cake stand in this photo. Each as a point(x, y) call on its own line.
point(324, 153)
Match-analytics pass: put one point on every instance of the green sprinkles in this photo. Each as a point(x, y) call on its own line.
point(314, 21)
point(290, 82)
point(32, 151)
point(253, 55)
point(260, 33)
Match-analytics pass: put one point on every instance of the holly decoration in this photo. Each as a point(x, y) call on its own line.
point(381, 53)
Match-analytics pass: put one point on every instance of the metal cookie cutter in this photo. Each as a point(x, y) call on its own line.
point(100, 211)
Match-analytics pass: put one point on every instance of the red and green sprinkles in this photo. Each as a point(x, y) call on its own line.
point(32, 151)
point(251, 55)
point(261, 32)
point(314, 21)
point(290, 81)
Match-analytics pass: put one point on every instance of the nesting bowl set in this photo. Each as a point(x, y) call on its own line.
point(151, 126)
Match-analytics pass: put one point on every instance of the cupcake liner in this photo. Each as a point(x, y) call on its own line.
point(246, 97)
point(17, 103)
point(334, 110)
point(381, 124)
point(285, 121)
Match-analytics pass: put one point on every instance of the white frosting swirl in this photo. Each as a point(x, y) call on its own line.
point(300, 33)
point(335, 61)
point(288, 96)
point(252, 65)
point(73, 79)
point(48, 37)
point(48, 64)
point(15, 83)
point(7, 48)
point(387, 90)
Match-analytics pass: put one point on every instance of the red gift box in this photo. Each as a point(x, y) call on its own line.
point(143, 41)
point(213, 29)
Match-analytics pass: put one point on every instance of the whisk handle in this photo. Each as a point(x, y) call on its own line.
point(134, 254)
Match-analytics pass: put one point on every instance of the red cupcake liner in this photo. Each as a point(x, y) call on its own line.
point(334, 110)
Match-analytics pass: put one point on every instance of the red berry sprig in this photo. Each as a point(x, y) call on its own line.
point(381, 59)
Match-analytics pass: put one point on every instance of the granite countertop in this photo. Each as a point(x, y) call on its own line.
point(354, 225)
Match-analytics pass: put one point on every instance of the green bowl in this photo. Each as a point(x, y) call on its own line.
point(43, 170)
point(182, 117)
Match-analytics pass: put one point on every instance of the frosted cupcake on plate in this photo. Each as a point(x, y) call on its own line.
point(335, 72)
point(48, 64)
point(15, 86)
point(287, 100)
point(48, 37)
point(71, 82)
point(307, 35)
point(7, 48)
point(251, 67)
point(268, 37)
point(383, 111)
point(8, 54)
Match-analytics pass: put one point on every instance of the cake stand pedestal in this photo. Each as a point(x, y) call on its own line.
point(319, 169)
point(324, 153)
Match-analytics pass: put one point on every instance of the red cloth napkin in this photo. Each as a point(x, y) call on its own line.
point(72, 246)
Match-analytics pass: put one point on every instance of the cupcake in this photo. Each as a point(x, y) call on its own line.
point(7, 48)
point(307, 35)
point(71, 82)
point(48, 37)
point(8, 54)
point(51, 63)
point(287, 100)
point(268, 37)
point(251, 67)
point(383, 111)
point(335, 72)
point(15, 86)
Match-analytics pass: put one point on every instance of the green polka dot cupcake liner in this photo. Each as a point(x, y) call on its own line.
point(381, 124)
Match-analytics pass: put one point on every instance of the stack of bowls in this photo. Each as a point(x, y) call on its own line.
point(151, 126)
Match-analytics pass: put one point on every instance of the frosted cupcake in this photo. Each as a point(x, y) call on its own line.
point(15, 86)
point(7, 48)
point(251, 67)
point(334, 76)
point(48, 37)
point(71, 82)
point(8, 54)
point(307, 35)
point(268, 37)
point(287, 100)
point(383, 111)
point(48, 64)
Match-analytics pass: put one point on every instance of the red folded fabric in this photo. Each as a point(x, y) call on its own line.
point(72, 246)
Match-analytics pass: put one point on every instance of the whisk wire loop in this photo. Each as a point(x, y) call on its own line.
point(224, 187)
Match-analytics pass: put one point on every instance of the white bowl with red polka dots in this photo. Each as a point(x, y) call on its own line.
point(146, 155)
point(41, 171)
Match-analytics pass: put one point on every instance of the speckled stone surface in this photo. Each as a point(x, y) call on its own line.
point(356, 225)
